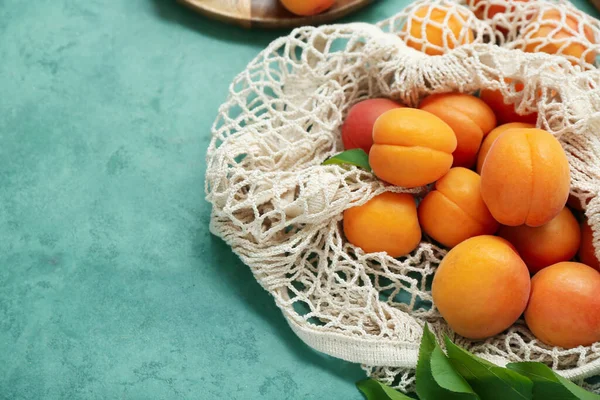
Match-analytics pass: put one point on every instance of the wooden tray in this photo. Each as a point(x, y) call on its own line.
point(596, 4)
point(268, 13)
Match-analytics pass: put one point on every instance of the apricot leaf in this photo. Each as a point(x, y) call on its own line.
point(489, 381)
point(375, 390)
point(464, 376)
point(356, 157)
point(548, 385)
point(436, 378)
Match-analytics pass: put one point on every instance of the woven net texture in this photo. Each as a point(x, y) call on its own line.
point(281, 211)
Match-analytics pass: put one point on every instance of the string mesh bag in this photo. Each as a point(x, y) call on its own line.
point(281, 210)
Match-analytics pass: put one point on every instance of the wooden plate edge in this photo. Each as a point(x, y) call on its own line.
point(271, 23)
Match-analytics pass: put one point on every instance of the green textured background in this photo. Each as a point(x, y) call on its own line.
point(110, 284)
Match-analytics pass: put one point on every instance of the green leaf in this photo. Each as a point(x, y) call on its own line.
point(547, 385)
point(446, 376)
point(578, 391)
point(436, 378)
point(489, 381)
point(375, 390)
point(356, 157)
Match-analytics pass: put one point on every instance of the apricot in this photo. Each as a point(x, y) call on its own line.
point(411, 147)
point(554, 35)
point(387, 222)
point(539, 247)
point(525, 178)
point(481, 287)
point(564, 306)
point(587, 252)
point(436, 38)
point(455, 211)
point(307, 7)
point(491, 138)
point(506, 113)
point(470, 119)
point(357, 130)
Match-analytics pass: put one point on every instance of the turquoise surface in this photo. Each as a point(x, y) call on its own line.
point(110, 284)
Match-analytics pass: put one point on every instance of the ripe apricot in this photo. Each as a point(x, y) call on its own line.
point(525, 178)
point(411, 147)
point(307, 7)
point(455, 211)
point(554, 35)
point(564, 305)
point(587, 252)
point(491, 138)
point(357, 130)
point(470, 119)
point(481, 287)
point(556, 241)
point(387, 222)
point(506, 113)
point(436, 38)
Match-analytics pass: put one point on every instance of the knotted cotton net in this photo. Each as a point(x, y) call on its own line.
point(281, 211)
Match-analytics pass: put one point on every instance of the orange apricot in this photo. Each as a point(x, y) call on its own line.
point(491, 138)
point(440, 31)
point(481, 287)
point(307, 7)
point(357, 130)
point(411, 147)
point(506, 113)
point(387, 222)
point(564, 305)
point(525, 178)
point(539, 247)
point(455, 211)
point(587, 252)
point(470, 119)
point(554, 35)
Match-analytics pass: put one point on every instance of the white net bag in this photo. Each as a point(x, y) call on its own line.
point(280, 210)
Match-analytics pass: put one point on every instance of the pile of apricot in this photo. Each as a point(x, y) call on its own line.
point(496, 197)
point(549, 28)
point(434, 27)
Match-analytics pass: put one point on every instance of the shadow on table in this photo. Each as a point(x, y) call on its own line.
point(227, 266)
point(171, 11)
